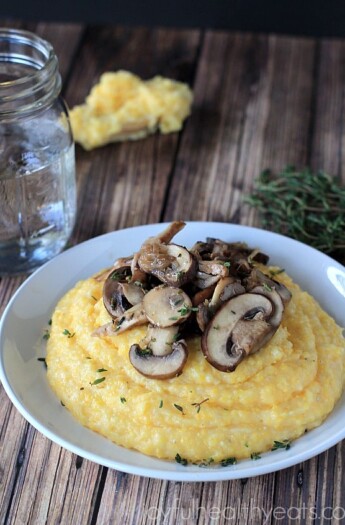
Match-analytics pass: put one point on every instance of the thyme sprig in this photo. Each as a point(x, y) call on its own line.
point(307, 206)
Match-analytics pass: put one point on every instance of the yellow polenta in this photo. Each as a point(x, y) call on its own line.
point(122, 106)
point(287, 387)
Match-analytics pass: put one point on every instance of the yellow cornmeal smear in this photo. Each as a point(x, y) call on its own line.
point(288, 386)
point(124, 107)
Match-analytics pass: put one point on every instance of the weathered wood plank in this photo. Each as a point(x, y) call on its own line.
point(252, 111)
point(328, 142)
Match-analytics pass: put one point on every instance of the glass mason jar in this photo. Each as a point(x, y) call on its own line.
point(37, 161)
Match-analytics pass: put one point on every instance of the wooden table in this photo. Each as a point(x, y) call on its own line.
point(260, 101)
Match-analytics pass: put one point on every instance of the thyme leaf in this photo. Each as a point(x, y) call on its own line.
point(285, 444)
point(68, 333)
point(307, 206)
point(178, 407)
point(198, 405)
point(98, 381)
point(228, 461)
point(181, 460)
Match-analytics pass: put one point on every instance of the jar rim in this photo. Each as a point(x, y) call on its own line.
point(40, 84)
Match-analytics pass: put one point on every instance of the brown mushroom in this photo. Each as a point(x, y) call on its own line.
point(171, 264)
point(120, 295)
point(159, 366)
point(226, 288)
point(240, 327)
point(258, 278)
point(167, 306)
point(159, 341)
point(209, 273)
point(134, 316)
point(277, 301)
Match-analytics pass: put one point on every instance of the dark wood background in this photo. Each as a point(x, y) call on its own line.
point(317, 18)
point(260, 101)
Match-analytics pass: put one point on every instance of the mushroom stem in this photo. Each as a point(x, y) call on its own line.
point(159, 367)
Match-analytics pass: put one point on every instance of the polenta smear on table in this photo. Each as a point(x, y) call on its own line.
point(124, 107)
point(276, 394)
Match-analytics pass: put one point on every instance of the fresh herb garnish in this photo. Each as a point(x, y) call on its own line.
point(144, 351)
point(102, 370)
point(94, 298)
point(285, 444)
point(43, 360)
point(205, 462)
point(273, 273)
point(46, 335)
point(228, 461)
point(198, 405)
point(178, 407)
point(161, 404)
point(68, 333)
point(309, 207)
point(267, 287)
point(119, 323)
point(255, 456)
point(98, 381)
point(187, 309)
point(180, 460)
point(123, 400)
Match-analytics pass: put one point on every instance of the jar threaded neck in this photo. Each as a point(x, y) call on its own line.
point(29, 74)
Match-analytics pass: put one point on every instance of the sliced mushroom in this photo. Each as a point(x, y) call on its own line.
point(160, 367)
point(209, 273)
point(226, 288)
point(202, 295)
point(247, 337)
point(235, 251)
point(203, 315)
point(123, 262)
point(277, 301)
point(252, 312)
point(169, 233)
point(159, 340)
point(167, 306)
point(135, 316)
point(179, 265)
point(258, 278)
point(118, 294)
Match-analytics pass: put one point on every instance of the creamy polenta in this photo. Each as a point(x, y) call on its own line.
point(204, 415)
point(122, 106)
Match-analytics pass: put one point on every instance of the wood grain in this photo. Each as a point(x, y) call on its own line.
point(260, 101)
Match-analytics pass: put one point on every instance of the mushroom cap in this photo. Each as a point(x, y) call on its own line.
point(172, 264)
point(118, 294)
point(277, 301)
point(258, 278)
point(252, 311)
point(160, 367)
point(167, 306)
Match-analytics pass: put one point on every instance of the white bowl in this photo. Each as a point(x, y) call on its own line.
point(30, 309)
